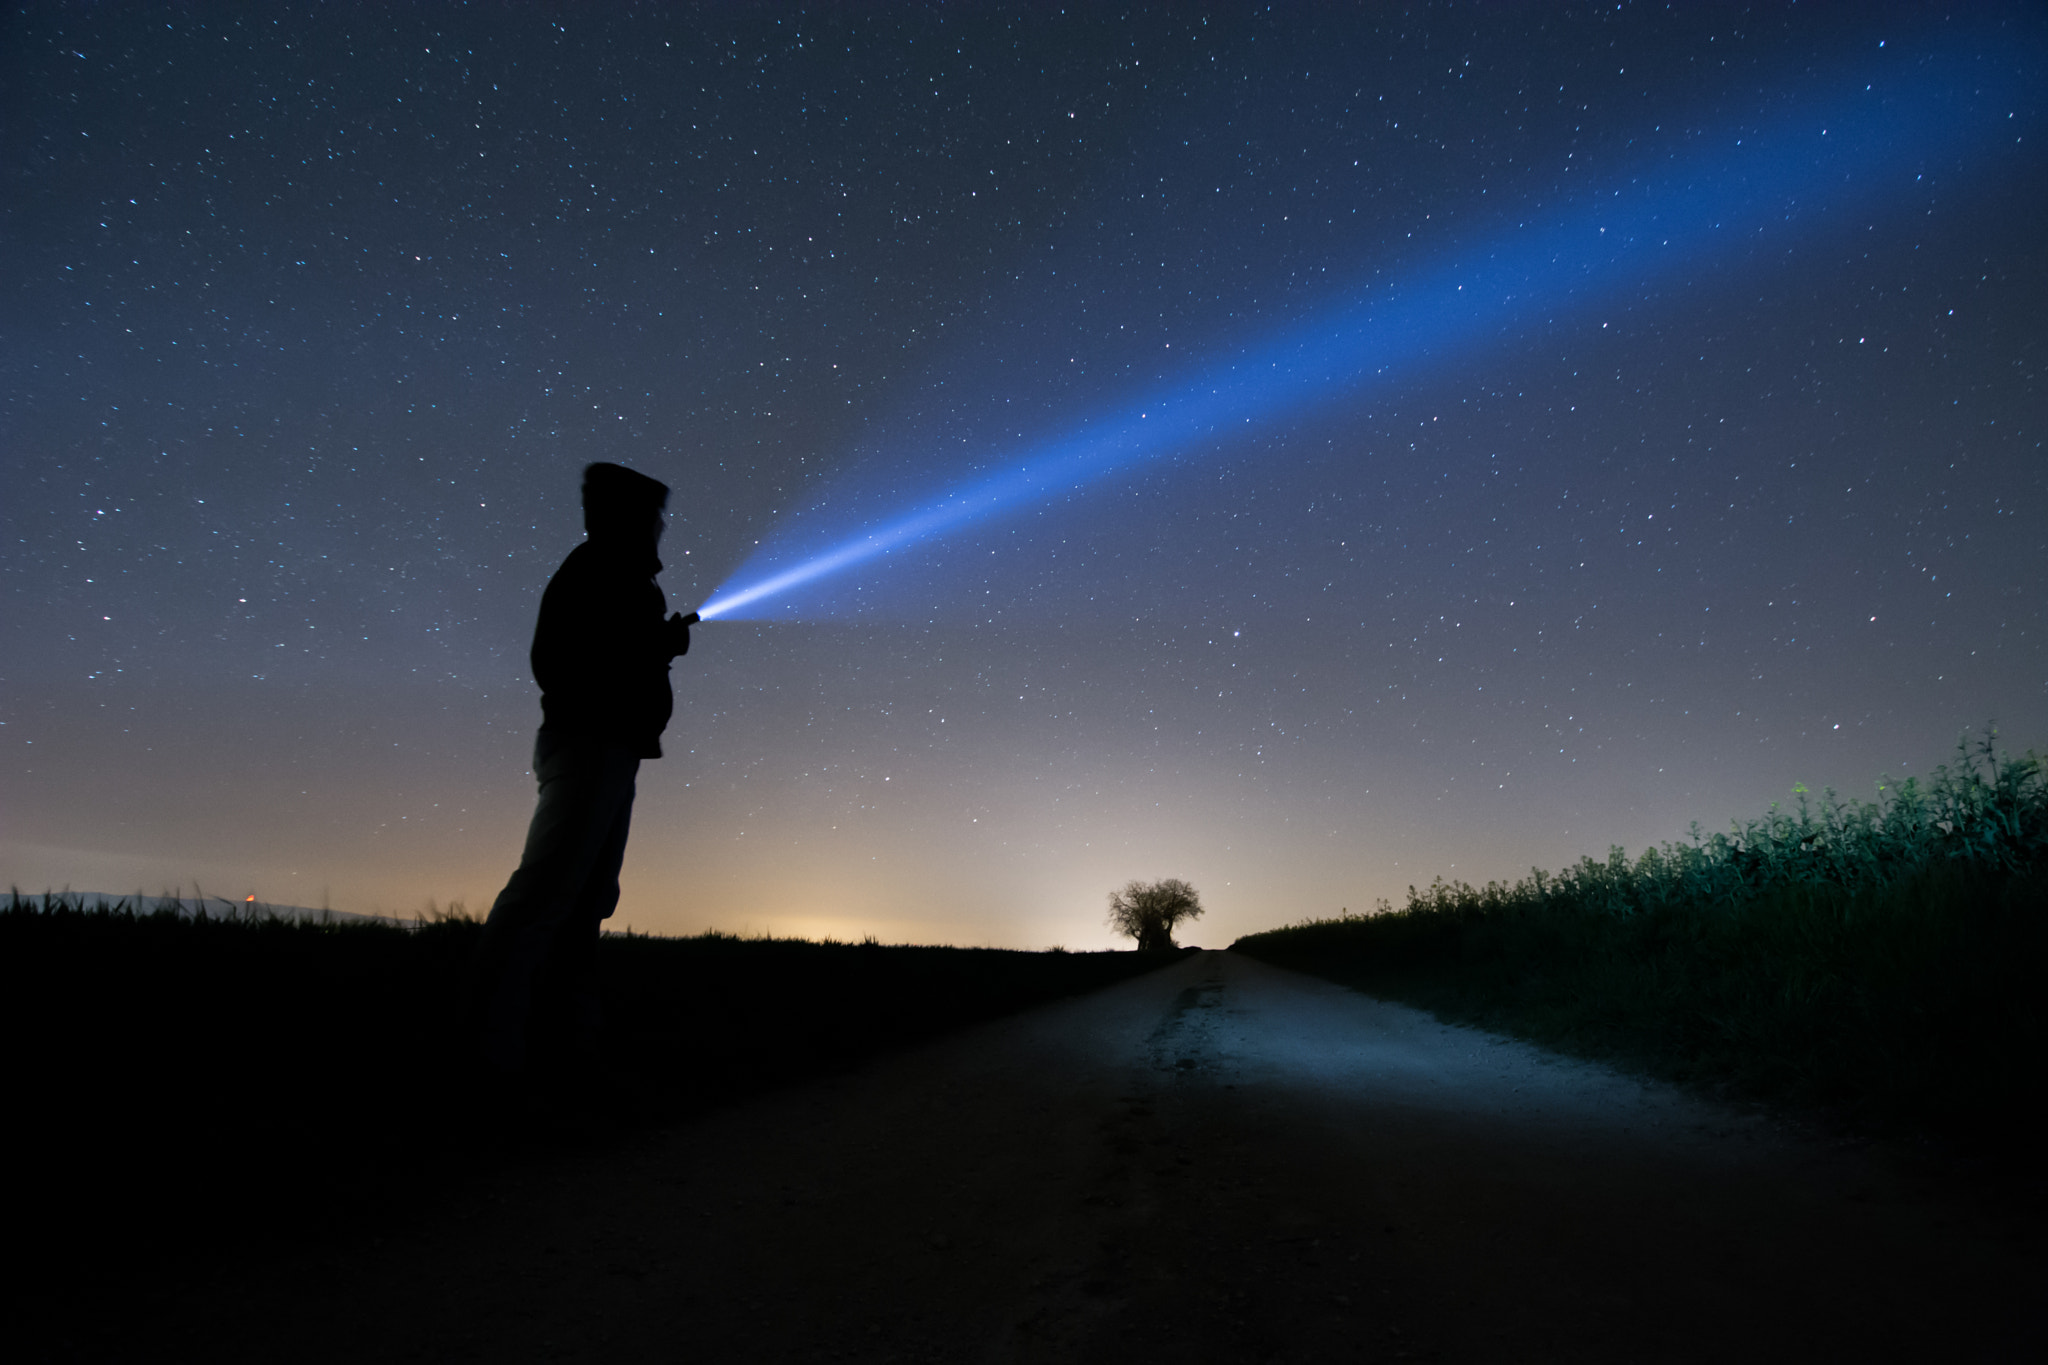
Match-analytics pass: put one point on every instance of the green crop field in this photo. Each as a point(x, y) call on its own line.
point(1879, 960)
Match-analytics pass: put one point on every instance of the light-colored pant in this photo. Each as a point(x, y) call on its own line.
point(540, 944)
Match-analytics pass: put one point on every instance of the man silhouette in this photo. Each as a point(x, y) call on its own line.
point(601, 653)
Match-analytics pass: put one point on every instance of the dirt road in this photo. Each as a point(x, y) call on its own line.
point(1221, 1161)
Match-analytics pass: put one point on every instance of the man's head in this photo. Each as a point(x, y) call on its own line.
point(619, 502)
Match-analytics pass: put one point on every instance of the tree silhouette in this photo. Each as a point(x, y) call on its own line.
point(1147, 911)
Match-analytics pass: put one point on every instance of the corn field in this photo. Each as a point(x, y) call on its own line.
point(1984, 811)
point(1878, 958)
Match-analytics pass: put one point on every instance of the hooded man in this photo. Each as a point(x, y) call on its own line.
point(601, 655)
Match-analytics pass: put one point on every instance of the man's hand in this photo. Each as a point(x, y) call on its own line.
point(679, 633)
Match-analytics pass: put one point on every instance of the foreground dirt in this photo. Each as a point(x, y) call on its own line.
point(1222, 1161)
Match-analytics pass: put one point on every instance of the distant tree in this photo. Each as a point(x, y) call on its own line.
point(1147, 911)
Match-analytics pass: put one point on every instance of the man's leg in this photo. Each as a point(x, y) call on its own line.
point(568, 998)
point(586, 793)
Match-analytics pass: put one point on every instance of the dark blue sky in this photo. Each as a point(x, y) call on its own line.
point(316, 312)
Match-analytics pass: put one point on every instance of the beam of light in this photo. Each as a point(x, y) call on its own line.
point(1739, 189)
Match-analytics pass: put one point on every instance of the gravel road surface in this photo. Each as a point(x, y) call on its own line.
point(1221, 1161)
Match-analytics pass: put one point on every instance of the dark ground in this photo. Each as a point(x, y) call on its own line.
point(1219, 1161)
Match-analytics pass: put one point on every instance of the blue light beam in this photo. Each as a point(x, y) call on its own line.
point(1727, 192)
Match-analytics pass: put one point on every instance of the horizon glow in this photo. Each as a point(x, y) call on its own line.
point(1736, 190)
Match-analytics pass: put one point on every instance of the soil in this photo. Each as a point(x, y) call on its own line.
point(1220, 1161)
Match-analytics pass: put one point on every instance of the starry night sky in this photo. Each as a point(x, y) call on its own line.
point(314, 314)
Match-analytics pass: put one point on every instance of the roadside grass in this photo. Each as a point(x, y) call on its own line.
point(205, 1082)
point(1881, 962)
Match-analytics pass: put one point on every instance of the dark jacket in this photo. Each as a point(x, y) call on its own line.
point(601, 651)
